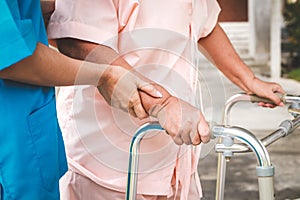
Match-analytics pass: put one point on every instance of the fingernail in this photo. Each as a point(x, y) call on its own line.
point(158, 94)
point(281, 104)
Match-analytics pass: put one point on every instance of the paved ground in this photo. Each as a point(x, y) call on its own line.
point(241, 180)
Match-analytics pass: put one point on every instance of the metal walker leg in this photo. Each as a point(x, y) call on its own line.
point(221, 168)
point(221, 173)
point(264, 170)
point(226, 155)
point(134, 158)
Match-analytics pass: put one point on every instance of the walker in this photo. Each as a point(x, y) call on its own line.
point(226, 147)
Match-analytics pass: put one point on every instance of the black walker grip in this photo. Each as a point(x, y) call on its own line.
point(256, 99)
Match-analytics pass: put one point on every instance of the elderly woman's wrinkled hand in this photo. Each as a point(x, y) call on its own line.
point(183, 122)
point(267, 90)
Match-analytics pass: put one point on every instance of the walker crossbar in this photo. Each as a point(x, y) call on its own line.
point(246, 137)
point(286, 127)
point(265, 171)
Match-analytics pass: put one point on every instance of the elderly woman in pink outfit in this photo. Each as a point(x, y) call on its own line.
point(156, 38)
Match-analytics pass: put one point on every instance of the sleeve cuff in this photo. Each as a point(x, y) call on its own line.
point(211, 21)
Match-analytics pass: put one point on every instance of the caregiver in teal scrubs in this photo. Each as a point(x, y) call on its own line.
point(32, 155)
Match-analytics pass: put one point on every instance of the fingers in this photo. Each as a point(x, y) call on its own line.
point(178, 140)
point(149, 89)
point(196, 140)
point(140, 112)
point(122, 91)
point(179, 137)
point(276, 99)
point(267, 105)
point(268, 90)
point(274, 96)
point(192, 134)
point(136, 108)
point(191, 137)
point(132, 112)
point(279, 89)
point(186, 137)
point(204, 132)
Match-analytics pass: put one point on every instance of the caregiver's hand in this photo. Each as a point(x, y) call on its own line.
point(120, 88)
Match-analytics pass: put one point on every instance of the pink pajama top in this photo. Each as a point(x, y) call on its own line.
point(159, 39)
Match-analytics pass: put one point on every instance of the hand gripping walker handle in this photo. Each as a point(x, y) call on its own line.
point(132, 176)
point(256, 99)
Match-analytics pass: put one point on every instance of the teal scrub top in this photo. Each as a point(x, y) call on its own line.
point(26, 111)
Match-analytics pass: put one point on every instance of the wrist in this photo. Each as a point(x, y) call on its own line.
point(106, 73)
point(245, 80)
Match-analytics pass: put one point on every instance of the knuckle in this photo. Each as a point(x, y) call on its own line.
point(174, 131)
point(178, 140)
point(186, 139)
point(196, 141)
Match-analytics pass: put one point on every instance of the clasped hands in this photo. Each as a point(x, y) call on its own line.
point(131, 92)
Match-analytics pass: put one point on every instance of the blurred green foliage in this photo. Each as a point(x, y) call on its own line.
point(294, 74)
point(291, 39)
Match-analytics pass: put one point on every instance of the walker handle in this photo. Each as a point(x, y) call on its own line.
point(256, 99)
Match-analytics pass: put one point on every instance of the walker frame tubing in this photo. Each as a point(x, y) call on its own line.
point(265, 170)
point(286, 127)
point(134, 158)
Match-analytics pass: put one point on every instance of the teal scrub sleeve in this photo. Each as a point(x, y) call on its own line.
point(17, 37)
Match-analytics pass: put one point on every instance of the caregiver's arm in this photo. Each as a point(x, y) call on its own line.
point(217, 47)
point(95, 53)
point(183, 122)
point(47, 67)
